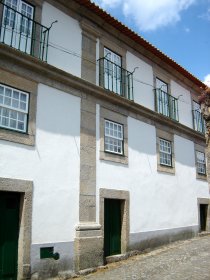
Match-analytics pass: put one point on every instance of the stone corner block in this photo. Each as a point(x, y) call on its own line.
point(88, 252)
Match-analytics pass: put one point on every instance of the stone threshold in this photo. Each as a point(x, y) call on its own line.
point(203, 233)
point(121, 257)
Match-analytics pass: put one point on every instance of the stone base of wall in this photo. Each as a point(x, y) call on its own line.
point(88, 246)
point(145, 240)
point(49, 267)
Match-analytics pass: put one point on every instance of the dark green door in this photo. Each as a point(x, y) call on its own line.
point(9, 231)
point(203, 216)
point(112, 227)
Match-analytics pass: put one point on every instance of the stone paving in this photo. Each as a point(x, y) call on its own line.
point(182, 260)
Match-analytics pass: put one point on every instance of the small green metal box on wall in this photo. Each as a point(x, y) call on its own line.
point(48, 253)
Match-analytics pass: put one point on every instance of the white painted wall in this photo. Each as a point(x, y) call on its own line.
point(65, 40)
point(184, 103)
point(157, 200)
point(142, 82)
point(53, 165)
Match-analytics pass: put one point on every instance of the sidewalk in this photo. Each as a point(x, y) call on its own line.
point(183, 260)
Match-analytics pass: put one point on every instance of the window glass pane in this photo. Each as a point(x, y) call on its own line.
point(5, 112)
point(20, 126)
point(15, 95)
point(1, 90)
point(8, 92)
point(12, 123)
point(13, 114)
point(22, 105)
point(21, 116)
point(15, 103)
point(5, 121)
point(161, 85)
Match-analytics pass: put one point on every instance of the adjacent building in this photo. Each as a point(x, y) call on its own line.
point(102, 147)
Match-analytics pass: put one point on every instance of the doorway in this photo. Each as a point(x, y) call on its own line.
point(9, 234)
point(203, 216)
point(112, 227)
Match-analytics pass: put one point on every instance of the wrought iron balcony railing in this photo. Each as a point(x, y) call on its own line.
point(166, 104)
point(198, 121)
point(116, 79)
point(23, 33)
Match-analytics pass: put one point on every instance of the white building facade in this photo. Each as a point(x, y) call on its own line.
point(102, 147)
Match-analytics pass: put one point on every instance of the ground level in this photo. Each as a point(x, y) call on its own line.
point(181, 260)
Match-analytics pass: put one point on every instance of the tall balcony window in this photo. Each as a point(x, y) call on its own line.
point(198, 121)
point(20, 31)
point(113, 77)
point(165, 104)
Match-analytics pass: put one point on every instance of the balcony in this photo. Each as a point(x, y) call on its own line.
point(198, 121)
point(166, 104)
point(23, 33)
point(115, 79)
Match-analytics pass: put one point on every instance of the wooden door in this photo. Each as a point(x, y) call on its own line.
point(9, 232)
point(112, 227)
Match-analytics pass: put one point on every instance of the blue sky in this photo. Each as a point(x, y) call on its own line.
point(179, 28)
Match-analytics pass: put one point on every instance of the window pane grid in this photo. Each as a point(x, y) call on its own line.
point(201, 163)
point(13, 108)
point(165, 152)
point(113, 137)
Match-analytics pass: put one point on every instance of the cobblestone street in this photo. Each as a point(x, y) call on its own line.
point(179, 261)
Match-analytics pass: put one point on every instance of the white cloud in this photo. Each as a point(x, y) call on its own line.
point(206, 16)
point(150, 14)
point(207, 80)
point(107, 3)
point(187, 30)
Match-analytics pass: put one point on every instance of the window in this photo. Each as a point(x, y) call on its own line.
point(113, 137)
point(13, 108)
point(17, 24)
point(198, 121)
point(166, 104)
point(112, 74)
point(161, 85)
point(165, 152)
point(112, 71)
point(20, 21)
point(201, 163)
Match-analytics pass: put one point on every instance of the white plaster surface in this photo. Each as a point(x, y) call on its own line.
point(65, 40)
point(157, 200)
point(184, 103)
point(53, 165)
point(143, 92)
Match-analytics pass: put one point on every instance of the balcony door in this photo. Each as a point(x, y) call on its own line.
point(163, 97)
point(197, 118)
point(112, 71)
point(17, 25)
